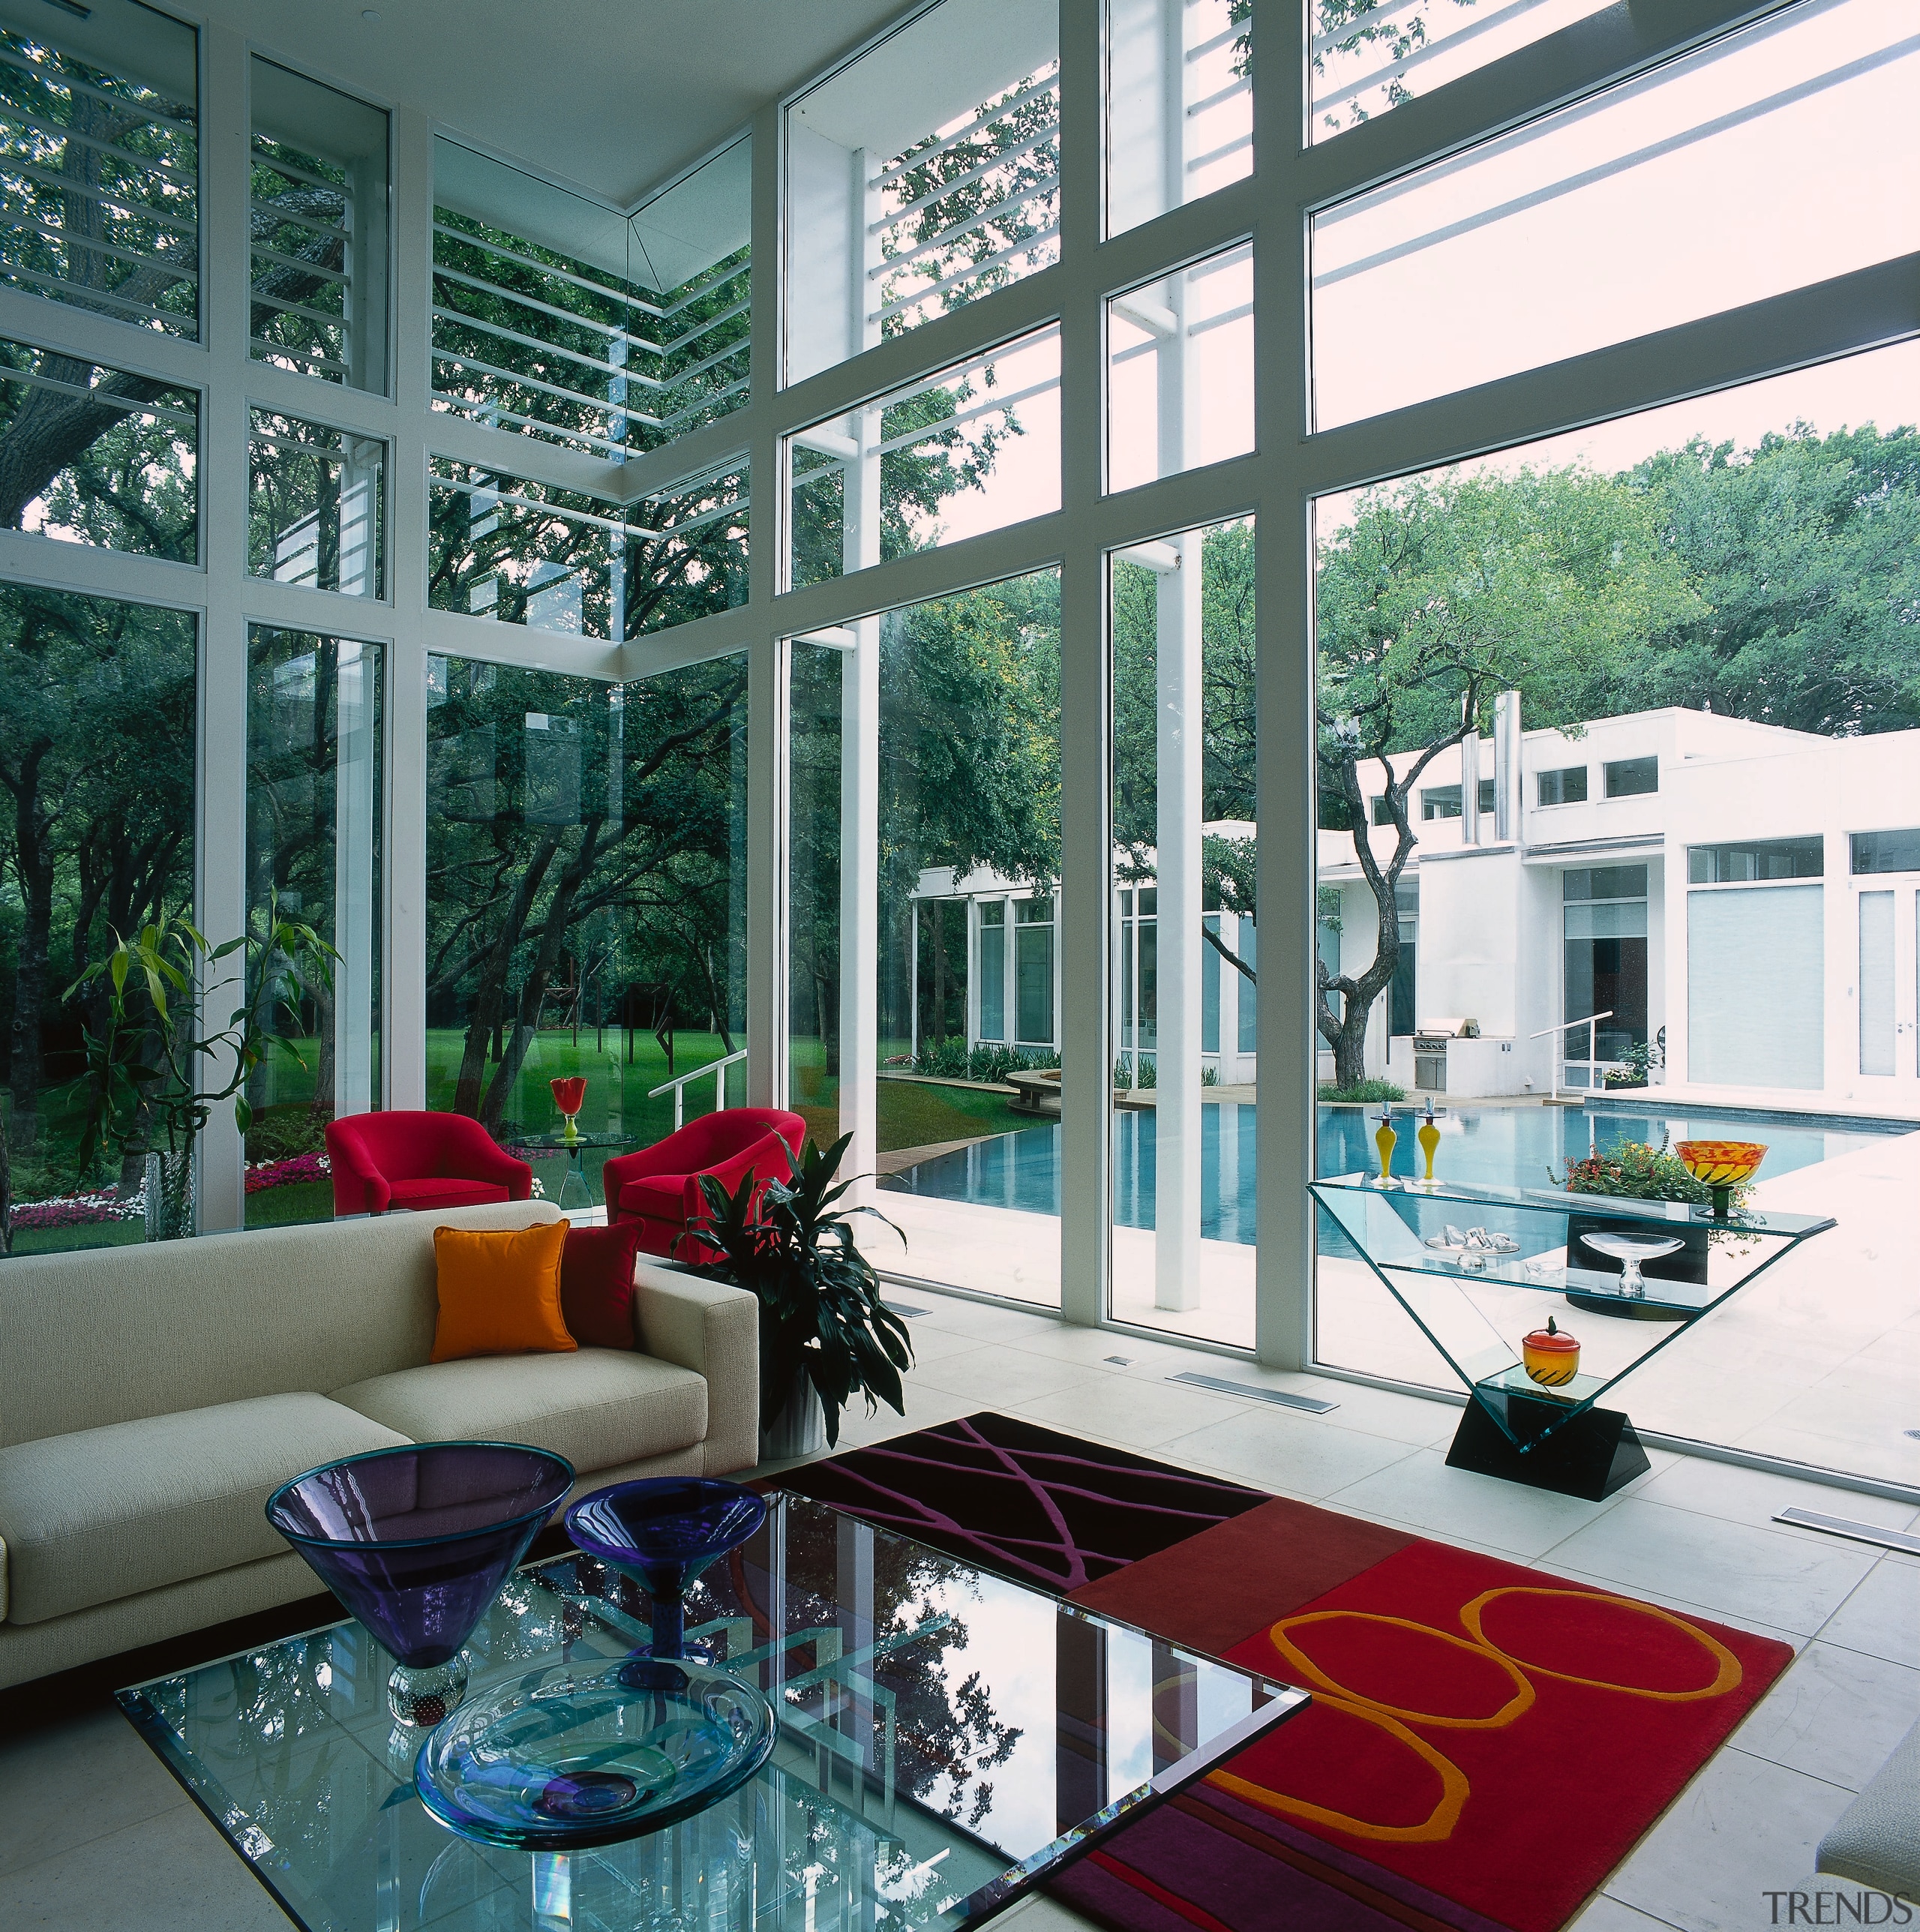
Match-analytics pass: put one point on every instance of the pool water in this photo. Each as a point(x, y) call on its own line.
point(1501, 1146)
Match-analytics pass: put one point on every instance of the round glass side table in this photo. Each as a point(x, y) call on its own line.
point(575, 1190)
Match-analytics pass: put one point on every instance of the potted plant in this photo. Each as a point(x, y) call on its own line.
point(143, 1067)
point(825, 1335)
point(1633, 1068)
point(1635, 1171)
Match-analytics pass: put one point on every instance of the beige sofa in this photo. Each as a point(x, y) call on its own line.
point(152, 1398)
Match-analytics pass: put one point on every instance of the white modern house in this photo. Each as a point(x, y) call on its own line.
point(1741, 897)
point(1742, 894)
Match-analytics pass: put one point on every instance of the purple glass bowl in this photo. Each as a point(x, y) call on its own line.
point(665, 1530)
point(416, 1540)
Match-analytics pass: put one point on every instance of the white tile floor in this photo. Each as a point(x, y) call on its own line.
point(94, 1834)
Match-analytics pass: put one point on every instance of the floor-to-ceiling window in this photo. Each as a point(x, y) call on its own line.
point(1685, 730)
point(986, 344)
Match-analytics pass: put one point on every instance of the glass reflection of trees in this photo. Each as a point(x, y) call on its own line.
point(525, 553)
point(96, 766)
point(582, 833)
point(97, 455)
point(101, 174)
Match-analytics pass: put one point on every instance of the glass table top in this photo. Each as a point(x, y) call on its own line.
point(1551, 1257)
point(946, 1737)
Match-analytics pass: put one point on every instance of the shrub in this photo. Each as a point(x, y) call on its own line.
point(1367, 1090)
point(950, 1060)
point(1640, 1172)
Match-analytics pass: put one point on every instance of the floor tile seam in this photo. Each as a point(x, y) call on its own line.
point(179, 1801)
point(1628, 1905)
point(1843, 1793)
point(1780, 1533)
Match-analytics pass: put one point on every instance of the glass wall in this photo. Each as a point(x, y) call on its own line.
point(1584, 228)
point(971, 449)
point(97, 762)
point(1368, 56)
point(921, 176)
point(99, 153)
point(95, 455)
point(1186, 841)
point(1699, 606)
point(1180, 103)
point(558, 316)
point(586, 899)
point(940, 862)
point(1180, 370)
point(316, 812)
point(318, 218)
point(317, 507)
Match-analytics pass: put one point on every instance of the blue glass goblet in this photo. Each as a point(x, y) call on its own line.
point(416, 1542)
point(664, 1530)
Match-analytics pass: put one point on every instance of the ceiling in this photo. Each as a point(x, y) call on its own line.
point(615, 95)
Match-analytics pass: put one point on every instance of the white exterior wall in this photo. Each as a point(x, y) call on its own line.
point(1491, 919)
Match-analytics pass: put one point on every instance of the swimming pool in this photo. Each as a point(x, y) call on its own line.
point(1502, 1146)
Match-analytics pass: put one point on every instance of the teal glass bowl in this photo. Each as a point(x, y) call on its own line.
point(573, 1755)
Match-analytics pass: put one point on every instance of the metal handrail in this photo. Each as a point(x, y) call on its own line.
point(677, 1086)
point(1591, 1023)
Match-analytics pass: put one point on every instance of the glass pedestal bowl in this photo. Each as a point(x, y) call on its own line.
point(1630, 1250)
point(1723, 1165)
point(664, 1530)
point(575, 1755)
point(416, 1541)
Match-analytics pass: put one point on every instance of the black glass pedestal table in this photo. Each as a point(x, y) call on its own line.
point(576, 1191)
point(1479, 1269)
point(947, 1738)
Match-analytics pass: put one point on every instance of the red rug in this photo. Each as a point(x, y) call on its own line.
point(1486, 1743)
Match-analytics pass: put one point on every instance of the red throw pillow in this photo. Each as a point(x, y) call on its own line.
point(596, 1284)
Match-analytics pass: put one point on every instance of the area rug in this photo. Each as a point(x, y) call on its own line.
point(1485, 1741)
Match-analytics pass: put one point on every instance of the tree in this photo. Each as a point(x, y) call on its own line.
point(1443, 592)
point(96, 758)
point(1805, 552)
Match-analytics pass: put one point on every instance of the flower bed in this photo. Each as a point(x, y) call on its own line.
point(295, 1168)
point(75, 1210)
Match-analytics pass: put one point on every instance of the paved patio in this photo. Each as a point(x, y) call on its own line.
point(1819, 1361)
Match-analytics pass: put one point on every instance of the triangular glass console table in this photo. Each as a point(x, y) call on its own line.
point(1476, 1304)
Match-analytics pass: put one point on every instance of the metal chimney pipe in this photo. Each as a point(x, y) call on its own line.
point(1507, 766)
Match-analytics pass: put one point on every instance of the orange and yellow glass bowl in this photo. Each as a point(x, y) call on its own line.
point(1721, 1163)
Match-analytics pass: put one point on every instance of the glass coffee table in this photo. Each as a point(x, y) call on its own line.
point(946, 1739)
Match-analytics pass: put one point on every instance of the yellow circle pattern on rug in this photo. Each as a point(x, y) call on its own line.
point(1439, 1824)
point(1727, 1675)
point(1433, 1829)
point(1521, 1700)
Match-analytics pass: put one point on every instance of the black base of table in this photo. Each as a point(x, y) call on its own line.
point(1591, 1456)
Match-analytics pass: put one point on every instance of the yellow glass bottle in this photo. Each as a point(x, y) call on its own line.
point(1429, 1137)
point(1385, 1139)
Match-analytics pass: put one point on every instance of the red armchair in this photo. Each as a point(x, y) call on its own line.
point(659, 1186)
point(390, 1160)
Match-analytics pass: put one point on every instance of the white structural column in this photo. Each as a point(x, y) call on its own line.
point(1179, 699)
point(354, 797)
point(859, 729)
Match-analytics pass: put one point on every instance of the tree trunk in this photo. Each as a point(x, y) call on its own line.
point(490, 994)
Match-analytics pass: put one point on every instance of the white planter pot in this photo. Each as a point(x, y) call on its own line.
point(800, 1427)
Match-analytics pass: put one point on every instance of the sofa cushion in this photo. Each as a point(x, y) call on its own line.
point(596, 1408)
point(663, 1196)
point(500, 1292)
point(596, 1284)
point(106, 1513)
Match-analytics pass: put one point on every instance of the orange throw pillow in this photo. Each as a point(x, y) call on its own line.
point(500, 1292)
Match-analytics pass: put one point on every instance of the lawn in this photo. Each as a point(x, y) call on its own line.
point(617, 1102)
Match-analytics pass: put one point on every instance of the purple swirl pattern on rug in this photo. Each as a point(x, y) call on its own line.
point(1049, 1511)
